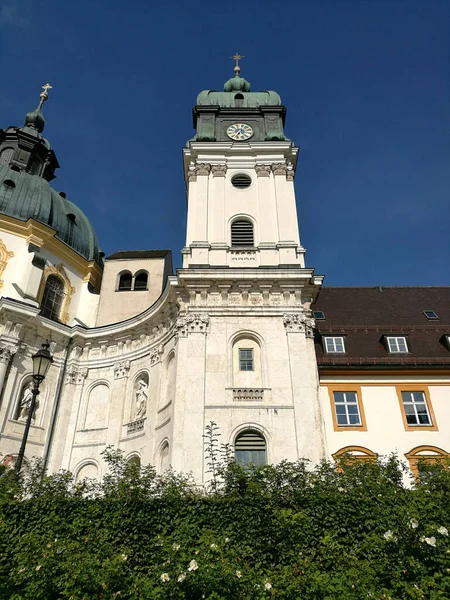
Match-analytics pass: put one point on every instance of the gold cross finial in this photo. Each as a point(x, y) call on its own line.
point(237, 57)
point(44, 95)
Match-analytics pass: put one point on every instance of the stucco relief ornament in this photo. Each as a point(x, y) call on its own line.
point(290, 172)
point(141, 399)
point(25, 404)
point(75, 375)
point(219, 170)
point(6, 353)
point(121, 369)
point(262, 170)
point(203, 169)
point(191, 173)
point(155, 355)
point(192, 323)
point(299, 323)
point(279, 169)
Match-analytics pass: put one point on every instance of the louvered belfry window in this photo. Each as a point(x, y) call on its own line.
point(250, 448)
point(242, 233)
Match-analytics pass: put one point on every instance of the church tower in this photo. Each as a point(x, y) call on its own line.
point(245, 357)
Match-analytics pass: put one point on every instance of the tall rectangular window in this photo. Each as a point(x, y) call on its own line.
point(246, 359)
point(397, 344)
point(334, 344)
point(416, 408)
point(347, 409)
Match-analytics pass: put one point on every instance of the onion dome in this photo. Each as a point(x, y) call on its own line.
point(236, 83)
point(27, 164)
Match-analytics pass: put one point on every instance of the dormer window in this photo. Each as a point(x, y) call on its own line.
point(239, 100)
point(334, 344)
point(397, 344)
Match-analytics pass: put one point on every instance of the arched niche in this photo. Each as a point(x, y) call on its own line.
point(169, 380)
point(134, 460)
point(139, 403)
point(164, 456)
point(246, 360)
point(87, 470)
point(97, 407)
point(23, 402)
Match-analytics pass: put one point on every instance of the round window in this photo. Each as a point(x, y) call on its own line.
point(241, 181)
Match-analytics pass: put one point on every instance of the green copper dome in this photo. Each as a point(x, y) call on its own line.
point(24, 196)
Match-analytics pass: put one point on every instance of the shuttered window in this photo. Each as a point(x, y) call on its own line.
point(250, 448)
point(242, 233)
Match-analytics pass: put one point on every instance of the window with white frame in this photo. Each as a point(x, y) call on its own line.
point(397, 344)
point(347, 409)
point(246, 359)
point(334, 344)
point(416, 408)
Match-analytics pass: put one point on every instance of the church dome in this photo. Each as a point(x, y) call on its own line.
point(236, 84)
point(24, 196)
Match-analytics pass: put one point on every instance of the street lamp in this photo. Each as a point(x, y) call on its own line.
point(41, 364)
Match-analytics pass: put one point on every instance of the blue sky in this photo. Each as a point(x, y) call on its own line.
point(366, 87)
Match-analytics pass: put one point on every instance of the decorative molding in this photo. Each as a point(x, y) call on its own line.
point(135, 426)
point(5, 255)
point(248, 394)
point(290, 172)
point(156, 355)
point(75, 375)
point(299, 323)
point(262, 170)
point(219, 170)
point(191, 173)
point(69, 290)
point(7, 352)
point(121, 369)
point(279, 169)
point(192, 323)
point(203, 169)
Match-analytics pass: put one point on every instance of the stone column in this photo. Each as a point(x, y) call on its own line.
point(188, 425)
point(305, 387)
point(117, 402)
point(6, 354)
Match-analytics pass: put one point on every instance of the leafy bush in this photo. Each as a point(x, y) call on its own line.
point(282, 532)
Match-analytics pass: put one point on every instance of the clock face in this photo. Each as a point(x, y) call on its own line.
point(239, 132)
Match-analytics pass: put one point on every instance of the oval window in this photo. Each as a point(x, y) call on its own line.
point(241, 181)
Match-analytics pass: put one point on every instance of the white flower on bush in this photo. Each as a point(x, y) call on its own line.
point(38, 567)
point(268, 585)
point(181, 577)
point(175, 547)
point(443, 530)
point(238, 574)
point(413, 523)
point(193, 565)
point(389, 536)
point(431, 541)
point(124, 556)
point(213, 546)
point(227, 540)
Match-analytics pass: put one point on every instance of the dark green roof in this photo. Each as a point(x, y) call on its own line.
point(26, 196)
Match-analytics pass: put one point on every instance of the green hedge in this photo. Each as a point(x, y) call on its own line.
point(280, 532)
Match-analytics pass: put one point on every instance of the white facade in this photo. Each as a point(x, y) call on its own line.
point(146, 374)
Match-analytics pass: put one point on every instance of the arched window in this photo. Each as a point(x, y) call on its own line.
point(87, 471)
point(239, 100)
point(242, 233)
point(428, 455)
point(6, 156)
point(353, 454)
point(125, 281)
point(134, 460)
point(250, 448)
point(141, 281)
point(52, 298)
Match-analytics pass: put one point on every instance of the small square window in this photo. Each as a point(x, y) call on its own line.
point(397, 344)
point(347, 409)
point(431, 315)
point(334, 344)
point(416, 409)
point(319, 315)
point(246, 359)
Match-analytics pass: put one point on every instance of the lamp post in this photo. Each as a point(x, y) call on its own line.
point(41, 364)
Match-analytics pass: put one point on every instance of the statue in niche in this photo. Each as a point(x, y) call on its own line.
point(25, 403)
point(141, 399)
